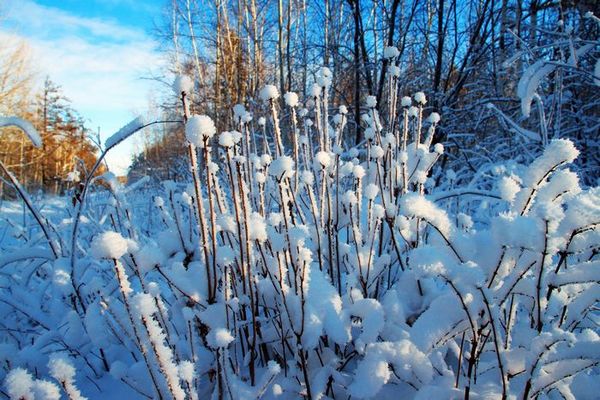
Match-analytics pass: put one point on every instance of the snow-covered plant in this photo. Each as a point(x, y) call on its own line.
point(316, 271)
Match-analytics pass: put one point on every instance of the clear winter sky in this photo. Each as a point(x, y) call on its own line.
point(99, 51)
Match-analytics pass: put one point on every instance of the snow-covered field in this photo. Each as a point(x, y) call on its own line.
point(298, 268)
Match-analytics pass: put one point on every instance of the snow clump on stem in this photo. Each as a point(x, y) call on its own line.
point(109, 245)
point(198, 128)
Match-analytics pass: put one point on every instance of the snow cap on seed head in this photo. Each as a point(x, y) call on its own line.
point(183, 84)
point(307, 177)
point(19, 384)
point(323, 159)
point(269, 92)
point(349, 198)
point(198, 128)
point(226, 139)
point(434, 118)
point(371, 101)
point(324, 77)
point(238, 111)
point(219, 338)
point(413, 111)
point(315, 90)
point(265, 160)
point(371, 191)
point(358, 171)
point(282, 167)
point(291, 99)
point(406, 101)
point(420, 98)
point(109, 245)
point(390, 52)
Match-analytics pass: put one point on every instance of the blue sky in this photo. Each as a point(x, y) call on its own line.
point(99, 51)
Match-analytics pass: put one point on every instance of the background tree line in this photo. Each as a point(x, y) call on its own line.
point(464, 54)
point(67, 151)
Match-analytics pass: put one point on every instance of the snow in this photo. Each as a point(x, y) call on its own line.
point(186, 371)
point(239, 111)
point(19, 384)
point(73, 176)
point(413, 111)
point(350, 198)
point(358, 171)
point(219, 338)
point(307, 178)
point(277, 390)
point(558, 152)
point(324, 77)
point(406, 101)
point(530, 81)
point(132, 127)
point(199, 128)
point(282, 167)
point(377, 152)
point(25, 126)
point(61, 369)
point(258, 228)
point(420, 98)
point(269, 93)
point(183, 84)
point(434, 118)
point(291, 99)
point(533, 76)
point(45, 390)
point(371, 102)
point(372, 319)
point(390, 52)
point(109, 245)
point(508, 188)
point(226, 140)
point(323, 159)
point(418, 206)
point(144, 304)
point(371, 191)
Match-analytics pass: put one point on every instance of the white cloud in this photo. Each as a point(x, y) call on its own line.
point(98, 63)
point(43, 20)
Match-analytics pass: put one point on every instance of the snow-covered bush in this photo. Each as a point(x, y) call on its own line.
point(313, 271)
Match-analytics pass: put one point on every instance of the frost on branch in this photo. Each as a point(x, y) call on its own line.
point(126, 131)
point(25, 126)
